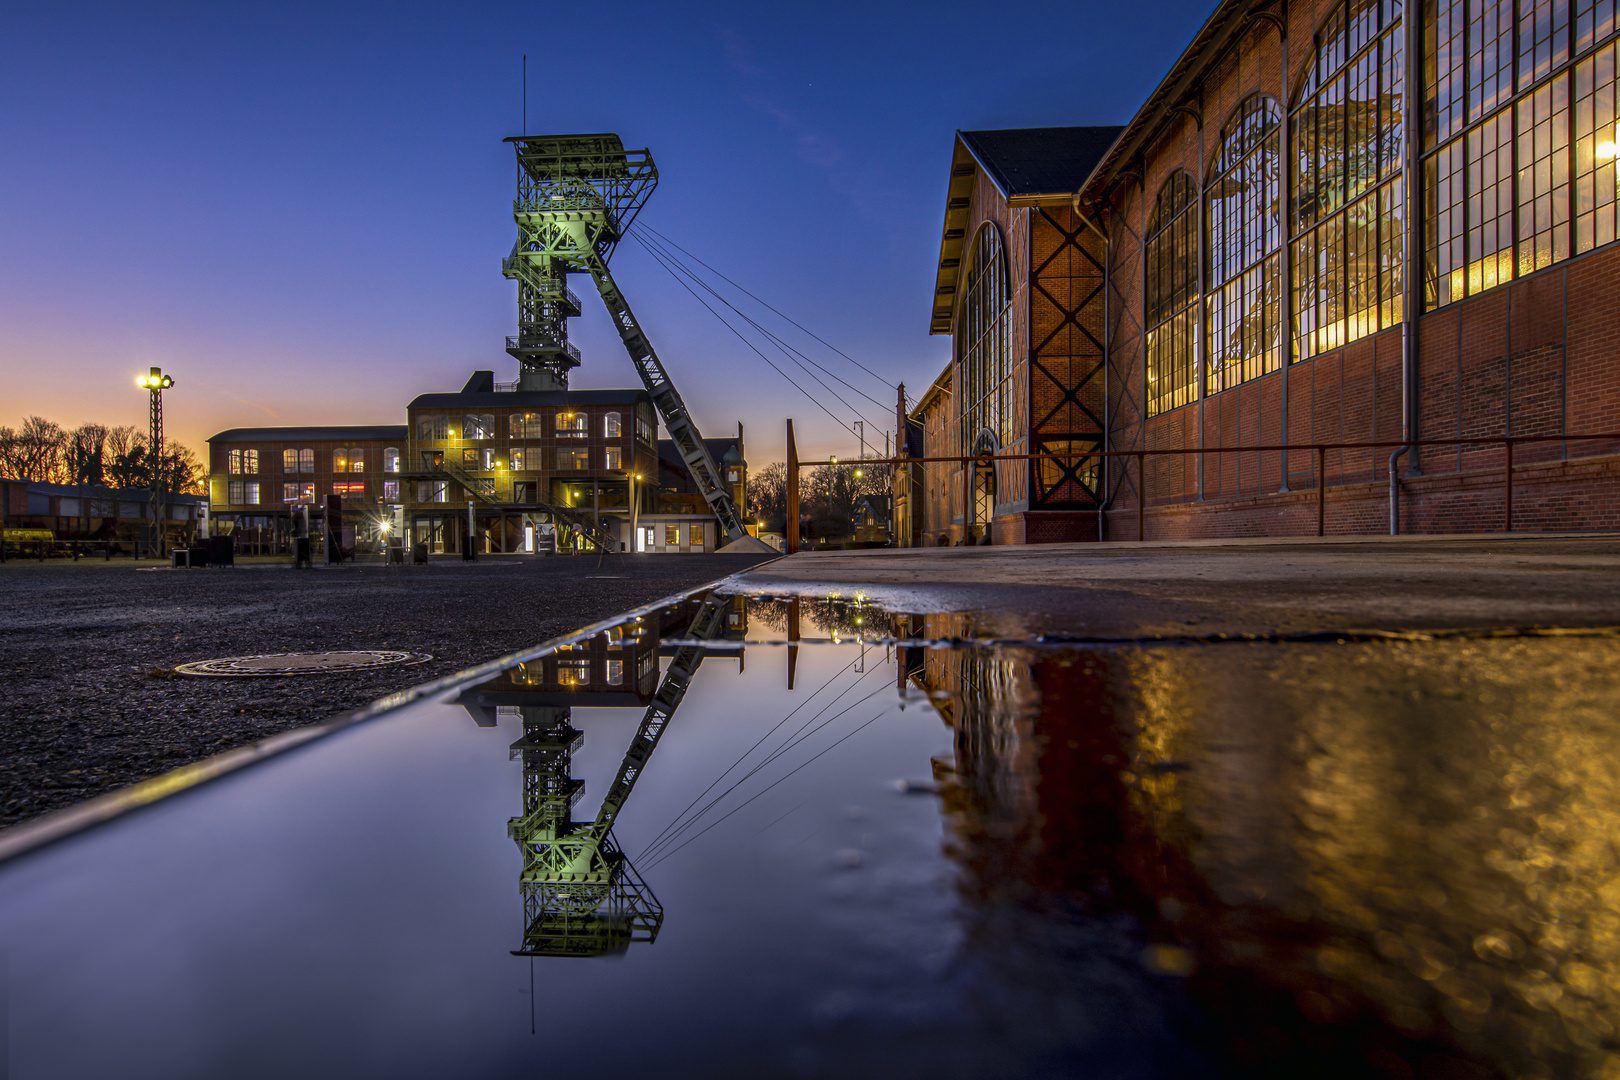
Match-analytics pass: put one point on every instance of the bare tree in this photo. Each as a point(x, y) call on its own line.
point(767, 494)
point(85, 454)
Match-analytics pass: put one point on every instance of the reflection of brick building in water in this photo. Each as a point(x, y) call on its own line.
point(1327, 223)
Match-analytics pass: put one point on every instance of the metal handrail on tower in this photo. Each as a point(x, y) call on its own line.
point(576, 198)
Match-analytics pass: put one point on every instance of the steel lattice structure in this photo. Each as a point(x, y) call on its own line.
point(576, 198)
point(581, 896)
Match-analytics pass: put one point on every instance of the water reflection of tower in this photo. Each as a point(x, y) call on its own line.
point(581, 895)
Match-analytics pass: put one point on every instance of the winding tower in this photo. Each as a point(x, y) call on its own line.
point(581, 895)
point(577, 196)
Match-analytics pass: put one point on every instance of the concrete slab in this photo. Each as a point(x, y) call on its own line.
point(1226, 587)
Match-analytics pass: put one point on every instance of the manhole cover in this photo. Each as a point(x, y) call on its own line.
point(301, 663)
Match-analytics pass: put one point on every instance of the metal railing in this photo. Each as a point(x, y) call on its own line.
point(566, 347)
point(1318, 449)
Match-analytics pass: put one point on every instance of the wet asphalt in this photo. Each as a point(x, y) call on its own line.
point(89, 701)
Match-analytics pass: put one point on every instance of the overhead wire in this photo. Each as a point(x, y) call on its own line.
point(766, 305)
point(793, 355)
point(802, 358)
point(768, 787)
point(795, 740)
point(813, 400)
point(676, 820)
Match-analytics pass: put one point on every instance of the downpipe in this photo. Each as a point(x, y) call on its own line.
point(1395, 492)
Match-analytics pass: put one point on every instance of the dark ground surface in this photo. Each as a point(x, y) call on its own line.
point(87, 705)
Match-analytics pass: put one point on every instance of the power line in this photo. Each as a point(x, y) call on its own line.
point(740, 337)
point(779, 314)
point(773, 338)
point(790, 353)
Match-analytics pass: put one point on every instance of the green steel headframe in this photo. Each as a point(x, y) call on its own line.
point(577, 195)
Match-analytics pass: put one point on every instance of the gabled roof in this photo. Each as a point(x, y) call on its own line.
point(1046, 163)
point(1029, 167)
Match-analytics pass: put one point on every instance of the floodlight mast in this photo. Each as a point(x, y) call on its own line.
point(576, 198)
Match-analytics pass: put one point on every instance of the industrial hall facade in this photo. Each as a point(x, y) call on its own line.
point(1330, 223)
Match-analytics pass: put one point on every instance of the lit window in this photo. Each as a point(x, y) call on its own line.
point(1172, 294)
point(612, 458)
point(644, 429)
point(984, 343)
point(615, 672)
point(391, 491)
point(433, 427)
point(357, 460)
point(1244, 309)
point(238, 492)
point(391, 459)
point(1348, 199)
point(527, 426)
point(432, 491)
point(298, 493)
point(672, 536)
point(1497, 124)
point(349, 490)
point(478, 426)
point(289, 461)
point(233, 461)
point(306, 461)
point(610, 426)
point(518, 458)
point(569, 459)
point(573, 425)
point(340, 460)
point(469, 459)
point(251, 494)
point(574, 672)
point(733, 476)
point(491, 460)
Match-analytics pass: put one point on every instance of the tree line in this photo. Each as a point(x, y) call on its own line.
point(827, 495)
point(118, 457)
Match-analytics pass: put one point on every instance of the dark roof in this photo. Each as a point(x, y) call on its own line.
point(298, 434)
point(509, 398)
point(668, 455)
point(102, 491)
point(1040, 161)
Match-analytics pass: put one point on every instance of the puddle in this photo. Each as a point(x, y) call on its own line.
point(883, 849)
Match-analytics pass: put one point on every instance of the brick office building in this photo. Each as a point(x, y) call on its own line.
point(1231, 269)
point(529, 461)
point(261, 479)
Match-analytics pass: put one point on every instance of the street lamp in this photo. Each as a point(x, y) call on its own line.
point(155, 382)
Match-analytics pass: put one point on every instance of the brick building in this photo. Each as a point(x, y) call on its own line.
point(261, 479)
point(1230, 269)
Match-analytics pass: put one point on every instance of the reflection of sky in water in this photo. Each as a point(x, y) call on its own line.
point(1385, 859)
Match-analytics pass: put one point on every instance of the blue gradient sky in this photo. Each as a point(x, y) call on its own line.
point(300, 210)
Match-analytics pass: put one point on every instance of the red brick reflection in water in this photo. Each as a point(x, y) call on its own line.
point(1058, 802)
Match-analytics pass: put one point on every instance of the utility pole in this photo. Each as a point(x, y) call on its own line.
point(155, 382)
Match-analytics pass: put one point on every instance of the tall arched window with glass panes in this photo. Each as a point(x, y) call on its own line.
point(1519, 137)
point(1172, 295)
point(1243, 215)
point(1348, 221)
point(984, 345)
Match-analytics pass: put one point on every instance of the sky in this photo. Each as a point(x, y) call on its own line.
point(299, 210)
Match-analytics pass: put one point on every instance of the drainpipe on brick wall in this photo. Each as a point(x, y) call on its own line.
point(1412, 306)
point(1108, 356)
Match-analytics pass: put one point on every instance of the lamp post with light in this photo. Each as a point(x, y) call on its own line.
point(155, 382)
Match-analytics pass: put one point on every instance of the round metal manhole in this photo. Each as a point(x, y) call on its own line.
point(301, 663)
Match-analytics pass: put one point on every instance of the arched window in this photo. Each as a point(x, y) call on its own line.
point(1172, 294)
point(1349, 203)
point(1243, 211)
point(984, 343)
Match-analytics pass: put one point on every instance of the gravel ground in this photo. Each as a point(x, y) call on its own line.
point(87, 703)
